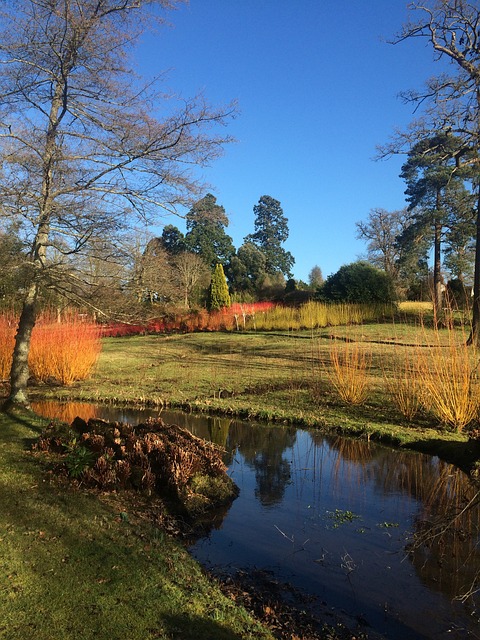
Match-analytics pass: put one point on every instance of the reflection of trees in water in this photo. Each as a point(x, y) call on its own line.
point(359, 451)
point(218, 429)
point(263, 449)
point(444, 548)
point(446, 530)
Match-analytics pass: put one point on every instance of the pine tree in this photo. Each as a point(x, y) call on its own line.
point(271, 231)
point(219, 296)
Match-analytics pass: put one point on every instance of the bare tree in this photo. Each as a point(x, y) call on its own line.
point(190, 271)
point(153, 276)
point(315, 277)
point(452, 100)
point(381, 231)
point(84, 150)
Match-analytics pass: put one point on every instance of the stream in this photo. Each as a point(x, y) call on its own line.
point(347, 521)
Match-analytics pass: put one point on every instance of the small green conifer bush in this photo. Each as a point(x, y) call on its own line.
point(219, 297)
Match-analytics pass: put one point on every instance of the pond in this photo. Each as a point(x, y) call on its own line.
point(337, 517)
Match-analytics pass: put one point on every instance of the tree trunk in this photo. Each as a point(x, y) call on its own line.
point(474, 338)
point(437, 275)
point(20, 372)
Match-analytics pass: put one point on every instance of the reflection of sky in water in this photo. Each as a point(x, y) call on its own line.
point(300, 495)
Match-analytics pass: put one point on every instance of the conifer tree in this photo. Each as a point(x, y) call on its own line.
point(271, 231)
point(219, 296)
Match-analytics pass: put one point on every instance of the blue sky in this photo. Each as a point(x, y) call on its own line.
point(317, 90)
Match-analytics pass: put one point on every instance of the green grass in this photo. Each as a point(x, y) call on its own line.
point(278, 376)
point(75, 567)
point(78, 565)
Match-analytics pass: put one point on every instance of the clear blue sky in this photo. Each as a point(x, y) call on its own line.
point(317, 89)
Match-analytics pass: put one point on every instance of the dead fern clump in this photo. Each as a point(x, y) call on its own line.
point(149, 457)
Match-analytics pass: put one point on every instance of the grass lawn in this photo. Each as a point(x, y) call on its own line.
point(76, 566)
point(278, 376)
point(79, 565)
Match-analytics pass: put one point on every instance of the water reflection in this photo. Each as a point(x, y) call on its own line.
point(263, 450)
point(361, 526)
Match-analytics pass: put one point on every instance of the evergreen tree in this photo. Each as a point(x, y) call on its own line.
point(271, 230)
point(436, 192)
point(358, 282)
point(219, 296)
point(173, 240)
point(14, 261)
point(206, 222)
point(246, 271)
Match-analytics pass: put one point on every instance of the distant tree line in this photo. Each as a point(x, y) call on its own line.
point(191, 268)
point(171, 271)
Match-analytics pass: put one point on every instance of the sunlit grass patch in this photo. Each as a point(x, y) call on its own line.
point(81, 566)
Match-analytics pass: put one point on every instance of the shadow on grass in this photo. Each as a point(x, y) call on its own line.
point(24, 425)
point(186, 627)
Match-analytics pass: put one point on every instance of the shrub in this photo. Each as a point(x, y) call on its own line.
point(348, 373)
point(7, 341)
point(404, 387)
point(218, 297)
point(358, 282)
point(66, 351)
point(448, 379)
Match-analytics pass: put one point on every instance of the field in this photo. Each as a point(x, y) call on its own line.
point(400, 382)
point(71, 558)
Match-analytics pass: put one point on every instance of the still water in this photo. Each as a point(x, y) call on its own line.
point(336, 518)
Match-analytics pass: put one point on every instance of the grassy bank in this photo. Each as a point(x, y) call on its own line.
point(284, 377)
point(79, 565)
point(74, 566)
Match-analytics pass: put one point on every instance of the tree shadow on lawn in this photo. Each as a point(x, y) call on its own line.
point(188, 627)
point(24, 420)
point(70, 544)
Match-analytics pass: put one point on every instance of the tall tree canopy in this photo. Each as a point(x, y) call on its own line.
point(173, 240)
point(206, 235)
point(246, 270)
point(83, 151)
point(437, 195)
point(271, 231)
point(451, 100)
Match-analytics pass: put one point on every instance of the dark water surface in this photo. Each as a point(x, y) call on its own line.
point(336, 517)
